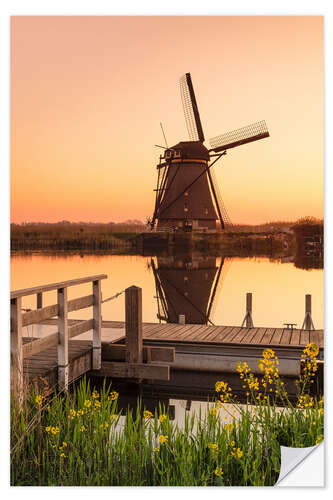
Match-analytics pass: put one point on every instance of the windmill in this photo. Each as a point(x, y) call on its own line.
point(187, 194)
point(186, 285)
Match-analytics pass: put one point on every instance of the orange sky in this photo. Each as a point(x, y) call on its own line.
point(88, 94)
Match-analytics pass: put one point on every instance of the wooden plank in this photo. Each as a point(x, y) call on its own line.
point(63, 339)
point(238, 338)
point(39, 315)
point(33, 348)
point(164, 331)
point(268, 335)
point(295, 337)
point(188, 333)
point(55, 286)
point(220, 334)
point(277, 336)
point(305, 336)
point(317, 336)
point(80, 303)
point(133, 320)
point(258, 336)
point(133, 370)
point(286, 336)
point(81, 327)
point(155, 353)
point(201, 333)
point(97, 325)
point(16, 349)
point(249, 335)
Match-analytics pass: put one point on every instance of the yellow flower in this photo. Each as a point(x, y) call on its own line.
point(219, 471)
point(63, 455)
point(147, 414)
point(213, 446)
point(239, 453)
point(97, 404)
point(229, 426)
point(163, 439)
point(87, 403)
point(113, 396)
point(48, 428)
point(213, 411)
point(232, 443)
point(54, 430)
point(82, 428)
point(95, 395)
point(162, 418)
point(39, 400)
point(157, 449)
point(311, 350)
point(268, 353)
point(319, 439)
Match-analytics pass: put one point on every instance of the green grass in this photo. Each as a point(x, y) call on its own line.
point(51, 444)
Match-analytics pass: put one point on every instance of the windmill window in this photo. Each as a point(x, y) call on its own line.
point(185, 207)
point(206, 211)
point(186, 193)
point(177, 154)
point(168, 154)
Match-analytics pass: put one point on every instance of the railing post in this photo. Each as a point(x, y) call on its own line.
point(133, 324)
point(63, 339)
point(16, 349)
point(97, 335)
point(39, 300)
point(248, 315)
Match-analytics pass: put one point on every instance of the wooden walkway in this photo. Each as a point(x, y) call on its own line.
point(226, 334)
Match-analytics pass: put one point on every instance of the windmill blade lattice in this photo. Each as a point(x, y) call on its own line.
point(190, 107)
point(243, 135)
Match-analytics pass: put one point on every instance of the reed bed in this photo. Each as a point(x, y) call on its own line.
point(81, 439)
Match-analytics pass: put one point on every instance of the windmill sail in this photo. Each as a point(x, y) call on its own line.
point(191, 111)
point(250, 133)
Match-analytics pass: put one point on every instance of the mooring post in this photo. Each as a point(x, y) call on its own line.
point(181, 319)
point(39, 300)
point(248, 314)
point(63, 339)
point(308, 323)
point(16, 349)
point(97, 335)
point(133, 324)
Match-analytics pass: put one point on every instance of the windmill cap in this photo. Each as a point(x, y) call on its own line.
point(192, 150)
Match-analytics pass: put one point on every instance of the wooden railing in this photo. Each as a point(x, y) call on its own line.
point(19, 319)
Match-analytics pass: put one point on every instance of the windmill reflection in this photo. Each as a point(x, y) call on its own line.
point(186, 285)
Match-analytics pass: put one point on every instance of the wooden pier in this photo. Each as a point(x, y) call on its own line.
point(132, 349)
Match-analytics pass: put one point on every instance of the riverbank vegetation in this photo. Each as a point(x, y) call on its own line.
point(82, 438)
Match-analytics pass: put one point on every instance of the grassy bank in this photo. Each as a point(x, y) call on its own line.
point(72, 236)
point(82, 439)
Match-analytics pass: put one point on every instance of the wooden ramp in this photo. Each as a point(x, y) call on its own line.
point(42, 368)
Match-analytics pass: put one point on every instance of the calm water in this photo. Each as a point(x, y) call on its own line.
point(201, 287)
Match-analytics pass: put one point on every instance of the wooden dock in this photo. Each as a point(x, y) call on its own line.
point(132, 349)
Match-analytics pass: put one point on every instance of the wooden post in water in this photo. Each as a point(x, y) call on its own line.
point(16, 349)
point(248, 315)
point(63, 339)
point(39, 300)
point(97, 336)
point(133, 324)
point(181, 319)
point(308, 323)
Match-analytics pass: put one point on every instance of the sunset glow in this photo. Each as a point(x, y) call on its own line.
point(88, 95)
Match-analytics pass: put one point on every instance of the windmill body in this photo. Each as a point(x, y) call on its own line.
point(187, 196)
point(194, 207)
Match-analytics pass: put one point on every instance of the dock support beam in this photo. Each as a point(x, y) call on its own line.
point(133, 326)
point(308, 323)
point(16, 349)
point(248, 315)
point(63, 339)
point(97, 335)
point(39, 300)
